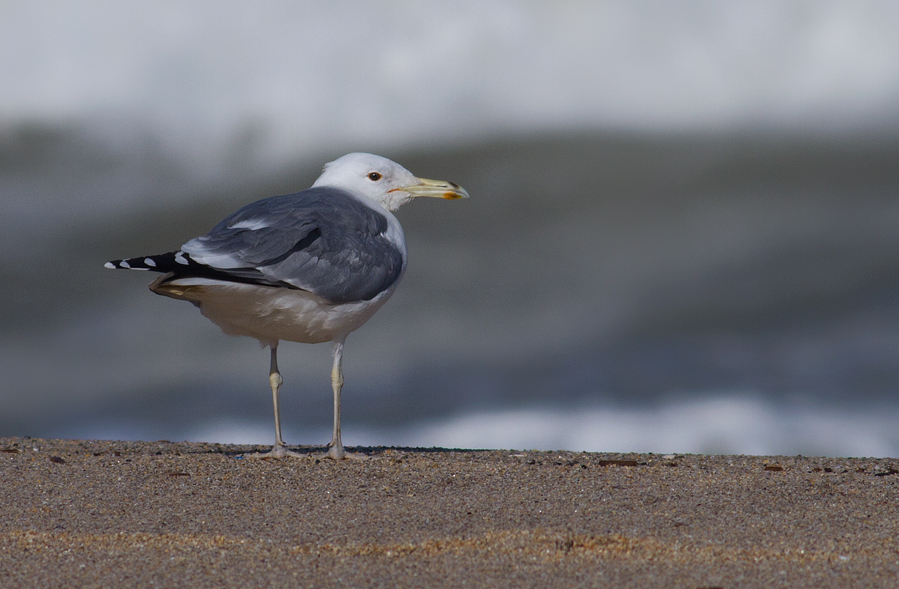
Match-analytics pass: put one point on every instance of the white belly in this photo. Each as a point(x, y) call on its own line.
point(270, 314)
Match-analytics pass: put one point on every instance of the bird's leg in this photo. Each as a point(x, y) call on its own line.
point(279, 450)
point(335, 448)
point(274, 378)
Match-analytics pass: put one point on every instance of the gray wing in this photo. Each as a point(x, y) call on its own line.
point(321, 240)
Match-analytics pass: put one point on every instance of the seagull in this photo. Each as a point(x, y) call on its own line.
point(309, 267)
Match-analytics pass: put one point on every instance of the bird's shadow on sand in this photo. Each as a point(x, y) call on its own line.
point(241, 451)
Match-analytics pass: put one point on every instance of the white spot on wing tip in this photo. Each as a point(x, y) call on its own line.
point(149, 262)
point(109, 265)
point(124, 264)
point(179, 257)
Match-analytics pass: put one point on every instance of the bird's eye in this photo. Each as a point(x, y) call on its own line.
point(374, 176)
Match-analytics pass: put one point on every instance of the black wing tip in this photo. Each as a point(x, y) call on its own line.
point(155, 263)
point(182, 265)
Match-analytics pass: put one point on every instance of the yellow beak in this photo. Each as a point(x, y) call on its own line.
point(434, 189)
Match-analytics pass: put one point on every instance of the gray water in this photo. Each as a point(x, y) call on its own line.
point(690, 293)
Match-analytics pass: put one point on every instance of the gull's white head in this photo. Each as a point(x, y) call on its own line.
point(385, 182)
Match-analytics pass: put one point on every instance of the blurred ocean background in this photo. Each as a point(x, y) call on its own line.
point(683, 234)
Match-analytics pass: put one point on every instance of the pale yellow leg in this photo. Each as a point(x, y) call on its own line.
point(279, 450)
point(335, 448)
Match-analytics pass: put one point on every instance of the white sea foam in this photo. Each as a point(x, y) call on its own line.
point(287, 78)
point(713, 425)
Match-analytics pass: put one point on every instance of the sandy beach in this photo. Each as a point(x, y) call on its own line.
point(116, 514)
